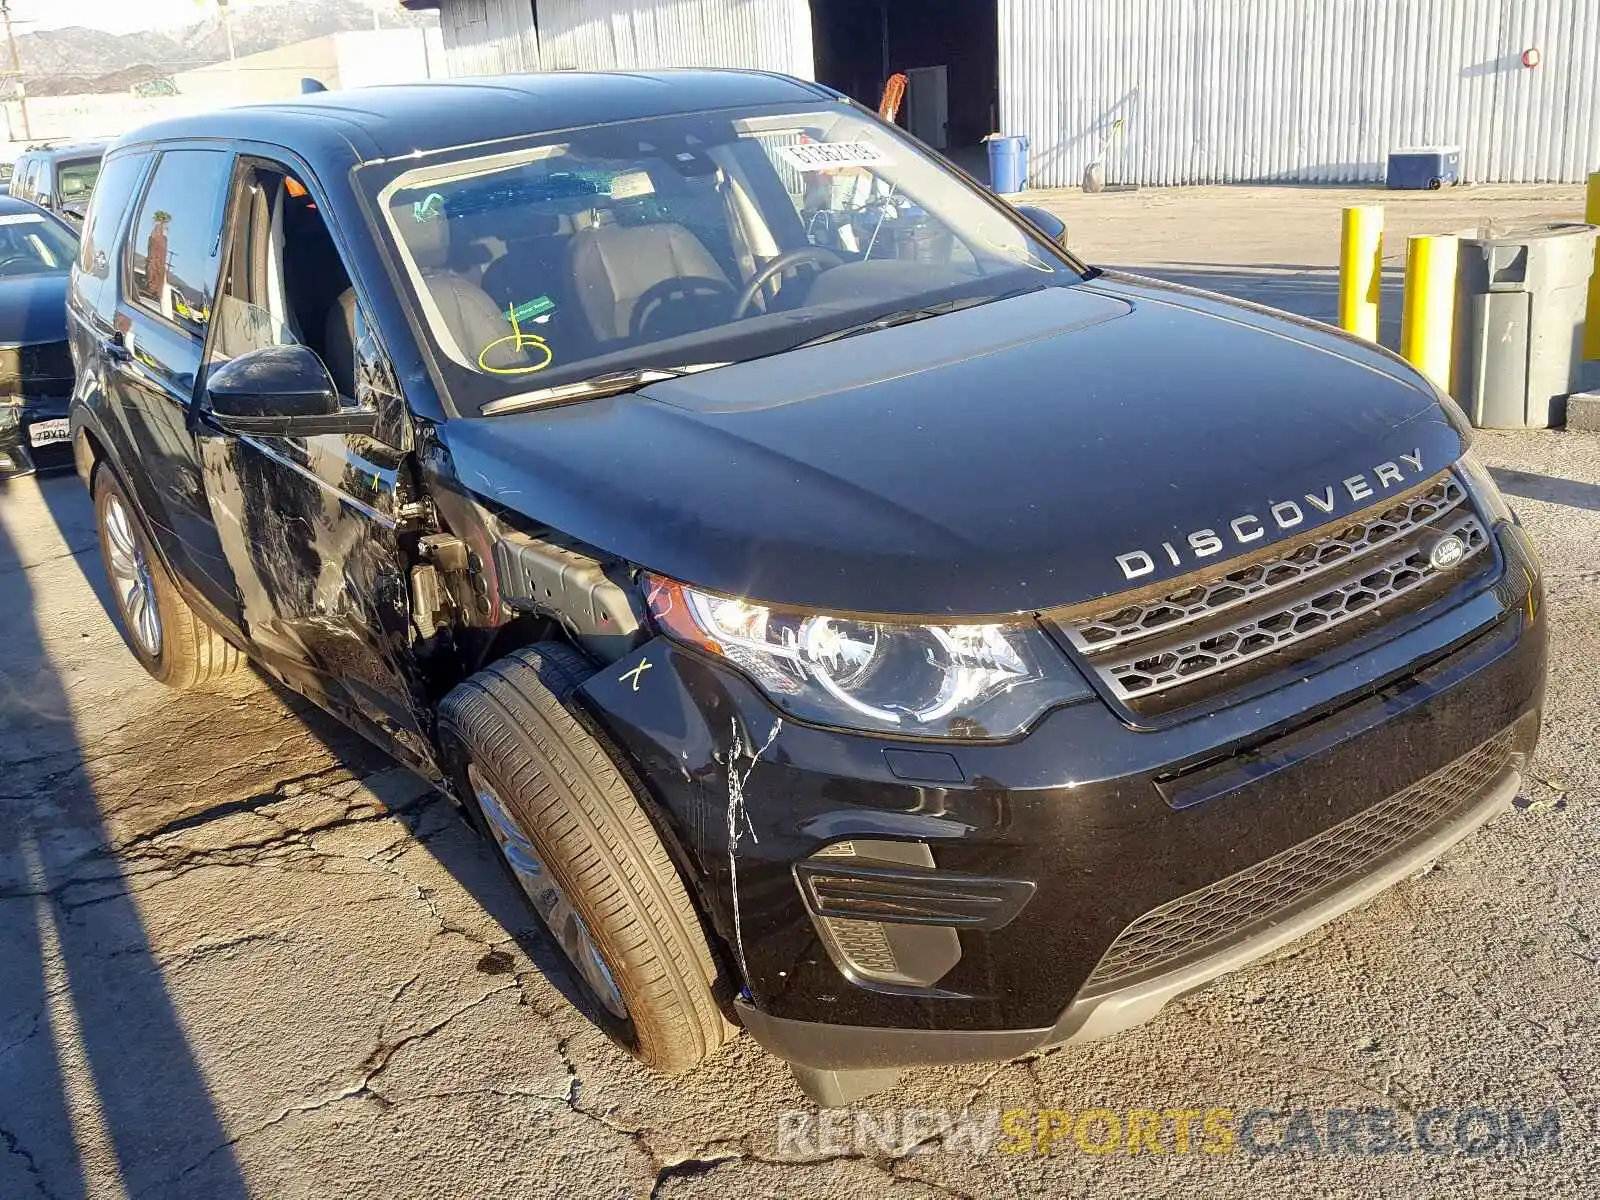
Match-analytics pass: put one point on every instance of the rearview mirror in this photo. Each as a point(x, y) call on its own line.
point(1046, 222)
point(281, 391)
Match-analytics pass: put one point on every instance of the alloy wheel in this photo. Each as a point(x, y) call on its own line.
point(547, 898)
point(130, 576)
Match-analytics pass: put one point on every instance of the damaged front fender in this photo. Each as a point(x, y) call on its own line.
point(728, 789)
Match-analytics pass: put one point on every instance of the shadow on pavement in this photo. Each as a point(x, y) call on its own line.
point(434, 820)
point(1549, 488)
point(93, 1055)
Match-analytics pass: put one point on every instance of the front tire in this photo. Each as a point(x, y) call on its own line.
point(170, 640)
point(580, 845)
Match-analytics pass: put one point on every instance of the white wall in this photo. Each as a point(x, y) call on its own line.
point(1206, 91)
point(340, 60)
point(269, 75)
point(489, 37)
point(771, 35)
point(67, 118)
point(370, 56)
point(1212, 91)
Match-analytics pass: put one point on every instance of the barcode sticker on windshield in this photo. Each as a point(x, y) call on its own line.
point(823, 156)
point(21, 219)
point(631, 184)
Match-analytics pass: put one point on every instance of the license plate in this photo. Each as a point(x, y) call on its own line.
point(41, 433)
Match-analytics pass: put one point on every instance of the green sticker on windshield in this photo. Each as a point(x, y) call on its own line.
point(531, 310)
point(428, 207)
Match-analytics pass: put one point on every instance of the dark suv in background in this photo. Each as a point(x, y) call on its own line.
point(58, 177)
point(848, 614)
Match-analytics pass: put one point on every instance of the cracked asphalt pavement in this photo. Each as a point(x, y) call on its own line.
point(242, 954)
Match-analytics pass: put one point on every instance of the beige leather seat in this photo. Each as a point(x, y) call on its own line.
point(614, 265)
point(474, 320)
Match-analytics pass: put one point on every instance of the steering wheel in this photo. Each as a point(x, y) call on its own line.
point(786, 261)
point(654, 299)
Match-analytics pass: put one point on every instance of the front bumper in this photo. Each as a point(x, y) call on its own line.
point(1121, 837)
point(18, 456)
point(1098, 1014)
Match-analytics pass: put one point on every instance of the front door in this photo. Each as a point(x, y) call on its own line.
point(308, 523)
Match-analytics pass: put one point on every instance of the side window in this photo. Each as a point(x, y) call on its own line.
point(171, 259)
point(285, 282)
point(75, 180)
point(26, 170)
point(251, 309)
point(97, 249)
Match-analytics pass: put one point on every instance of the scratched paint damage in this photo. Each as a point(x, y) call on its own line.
point(739, 822)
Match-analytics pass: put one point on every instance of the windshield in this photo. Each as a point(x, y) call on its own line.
point(687, 241)
point(75, 180)
point(31, 244)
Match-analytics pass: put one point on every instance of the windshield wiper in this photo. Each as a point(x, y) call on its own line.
point(611, 383)
point(905, 316)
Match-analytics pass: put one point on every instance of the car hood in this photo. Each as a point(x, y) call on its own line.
point(33, 308)
point(1016, 456)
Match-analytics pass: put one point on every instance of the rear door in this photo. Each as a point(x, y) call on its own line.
point(169, 267)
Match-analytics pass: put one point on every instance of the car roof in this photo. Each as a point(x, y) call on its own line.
point(67, 149)
point(395, 119)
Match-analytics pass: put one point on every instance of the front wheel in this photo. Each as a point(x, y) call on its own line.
point(581, 848)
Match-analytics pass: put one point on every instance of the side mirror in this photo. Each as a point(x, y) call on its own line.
point(1046, 222)
point(280, 391)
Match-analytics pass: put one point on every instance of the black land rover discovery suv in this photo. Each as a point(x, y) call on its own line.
point(849, 615)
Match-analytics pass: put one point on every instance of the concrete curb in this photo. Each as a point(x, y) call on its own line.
point(1583, 412)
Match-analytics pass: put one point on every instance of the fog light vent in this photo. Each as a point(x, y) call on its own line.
point(864, 945)
point(881, 952)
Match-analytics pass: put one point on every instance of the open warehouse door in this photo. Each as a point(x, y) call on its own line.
point(947, 49)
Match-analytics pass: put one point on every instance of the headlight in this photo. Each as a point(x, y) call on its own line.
point(1482, 486)
point(955, 681)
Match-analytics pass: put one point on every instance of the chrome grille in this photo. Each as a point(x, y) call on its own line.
point(1204, 921)
point(1376, 560)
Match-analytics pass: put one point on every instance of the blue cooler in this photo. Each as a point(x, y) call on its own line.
point(1008, 163)
point(1424, 168)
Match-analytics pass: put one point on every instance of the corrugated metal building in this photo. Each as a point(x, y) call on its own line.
point(1158, 91)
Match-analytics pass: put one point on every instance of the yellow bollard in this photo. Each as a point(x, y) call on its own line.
point(1591, 327)
point(1428, 321)
point(1361, 270)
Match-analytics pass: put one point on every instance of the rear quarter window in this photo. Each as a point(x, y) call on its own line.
point(22, 178)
